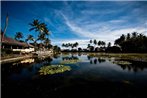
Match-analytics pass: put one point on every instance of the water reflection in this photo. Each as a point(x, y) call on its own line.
point(125, 65)
point(70, 59)
point(27, 61)
point(135, 66)
point(95, 60)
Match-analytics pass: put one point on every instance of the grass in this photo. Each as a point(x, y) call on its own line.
point(125, 56)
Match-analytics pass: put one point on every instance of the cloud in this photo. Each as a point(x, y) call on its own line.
point(106, 32)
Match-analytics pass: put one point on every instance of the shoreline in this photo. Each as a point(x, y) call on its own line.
point(8, 60)
point(131, 56)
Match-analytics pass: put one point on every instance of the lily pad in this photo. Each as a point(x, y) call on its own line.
point(70, 61)
point(122, 62)
point(53, 69)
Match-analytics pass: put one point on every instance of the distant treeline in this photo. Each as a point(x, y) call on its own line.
point(130, 43)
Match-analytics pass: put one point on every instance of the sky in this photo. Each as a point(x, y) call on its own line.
point(76, 21)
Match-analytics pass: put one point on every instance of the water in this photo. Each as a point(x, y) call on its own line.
point(93, 77)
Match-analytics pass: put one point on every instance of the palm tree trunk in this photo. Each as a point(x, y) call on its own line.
point(6, 24)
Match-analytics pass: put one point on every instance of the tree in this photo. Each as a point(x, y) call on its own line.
point(35, 25)
point(18, 35)
point(109, 44)
point(56, 48)
point(6, 25)
point(128, 36)
point(95, 42)
point(79, 49)
point(134, 34)
point(30, 38)
point(76, 44)
point(41, 37)
point(90, 41)
point(103, 43)
point(41, 28)
point(99, 43)
point(135, 43)
point(47, 42)
point(120, 40)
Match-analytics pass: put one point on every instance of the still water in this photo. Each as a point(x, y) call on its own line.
point(74, 75)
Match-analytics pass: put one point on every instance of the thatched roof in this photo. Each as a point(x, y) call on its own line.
point(10, 41)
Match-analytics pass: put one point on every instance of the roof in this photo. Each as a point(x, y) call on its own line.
point(10, 41)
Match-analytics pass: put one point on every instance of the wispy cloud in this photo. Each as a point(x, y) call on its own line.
point(106, 32)
point(80, 21)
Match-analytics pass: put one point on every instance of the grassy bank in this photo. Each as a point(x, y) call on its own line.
point(128, 56)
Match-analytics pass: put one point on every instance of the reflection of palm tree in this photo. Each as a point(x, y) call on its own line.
point(101, 60)
point(95, 61)
point(90, 61)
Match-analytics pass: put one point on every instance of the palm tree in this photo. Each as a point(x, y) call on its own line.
point(63, 45)
point(103, 43)
point(134, 34)
point(47, 42)
point(76, 44)
point(6, 25)
point(99, 43)
point(120, 40)
point(109, 44)
point(128, 36)
point(41, 28)
point(18, 35)
point(95, 42)
point(41, 37)
point(90, 41)
point(35, 25)
point(30, 38)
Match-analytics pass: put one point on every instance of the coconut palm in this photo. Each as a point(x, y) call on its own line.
point(128, 36)
point(95, 42)
point(47, 42)
point(99, 43)
point(35, 25)
point(90, 41)
point(41, 37)
point(6, 25)
point(76, 44)
point(134, 34)
point(30, 38)
point(109, 44)
point(18, 35)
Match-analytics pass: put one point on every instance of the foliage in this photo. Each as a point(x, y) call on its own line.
point(18, 35)
point(41, 27)
point(72, 45)
point(53, 69)
point(122, 62)
point(132, 42)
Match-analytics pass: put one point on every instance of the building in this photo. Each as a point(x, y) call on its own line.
point(14, 45)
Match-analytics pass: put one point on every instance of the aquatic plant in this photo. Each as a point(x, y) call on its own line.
point(69, 61)
point(122, 62)
point(53, 69)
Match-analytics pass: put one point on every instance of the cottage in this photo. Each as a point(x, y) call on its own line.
point(14, 45)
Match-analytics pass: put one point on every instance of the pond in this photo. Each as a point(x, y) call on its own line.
point(74, 75)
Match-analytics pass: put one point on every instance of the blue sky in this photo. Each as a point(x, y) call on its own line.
point(71, 21)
